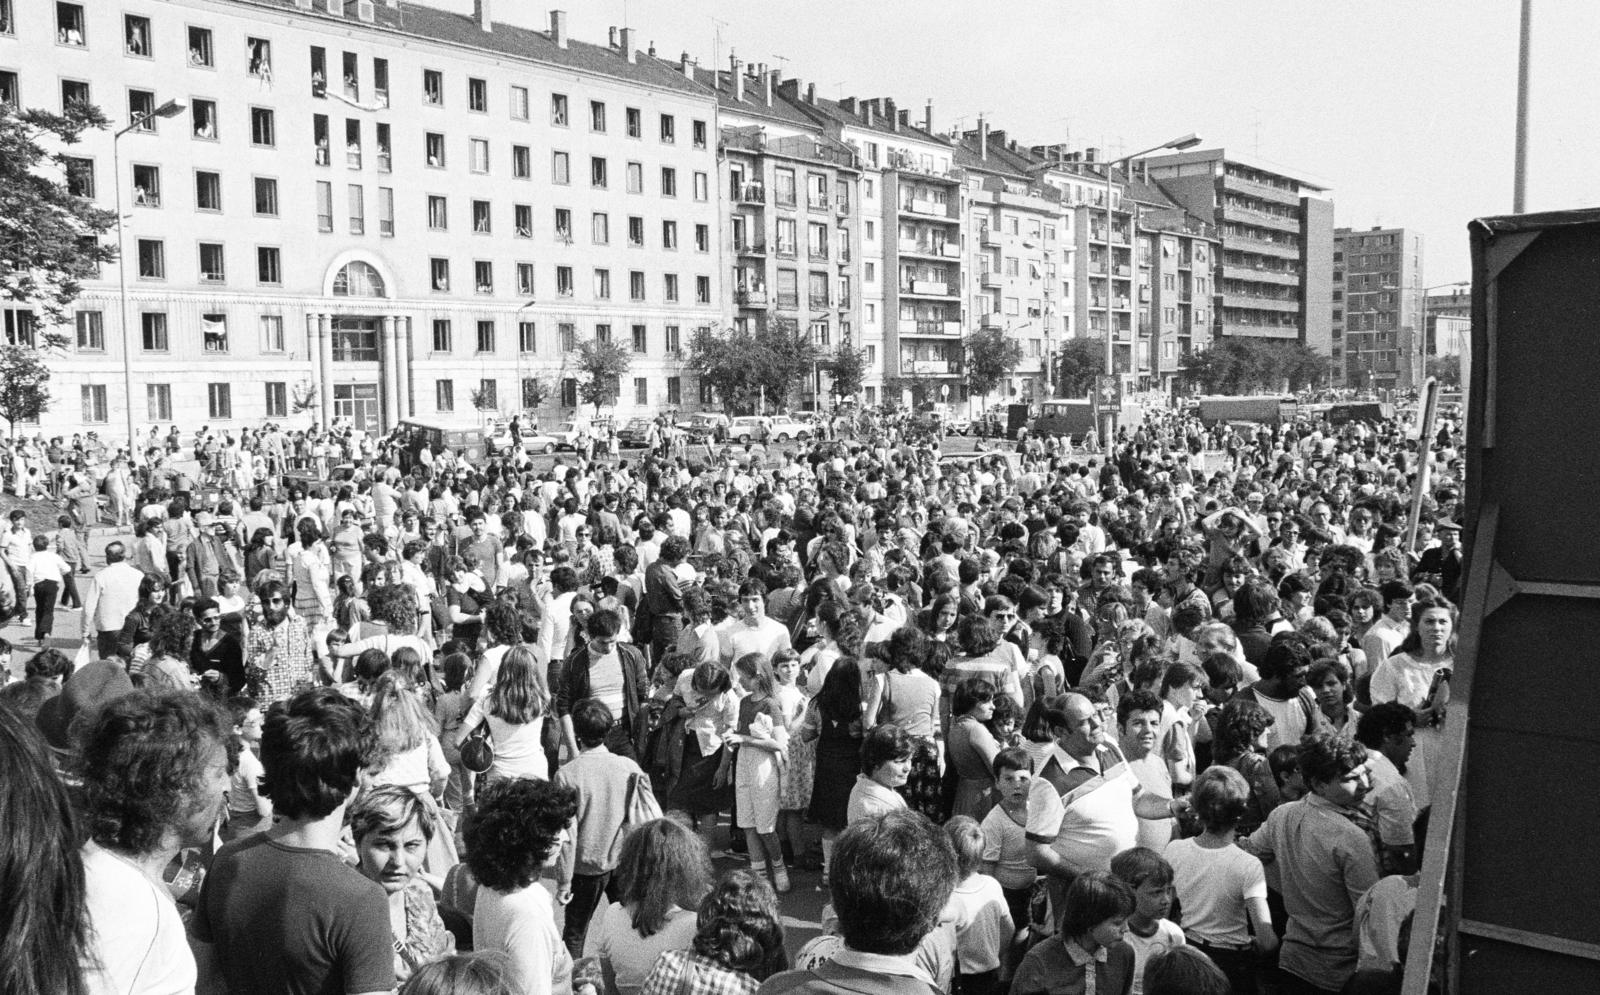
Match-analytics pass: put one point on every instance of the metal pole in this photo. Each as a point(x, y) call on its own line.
point(1519, 193)
point(122, 291)
point(1108, 419)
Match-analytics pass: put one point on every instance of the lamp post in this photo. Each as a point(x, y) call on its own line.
point(171, 108)
point(1108, 419)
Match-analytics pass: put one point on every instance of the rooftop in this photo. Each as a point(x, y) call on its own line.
point(1257, 163)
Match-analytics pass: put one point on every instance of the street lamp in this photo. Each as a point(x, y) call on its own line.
point(171, 108)
point(1108, 419)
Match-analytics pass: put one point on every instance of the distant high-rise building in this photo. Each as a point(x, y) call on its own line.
point(1377, 281)
point(1275, 280)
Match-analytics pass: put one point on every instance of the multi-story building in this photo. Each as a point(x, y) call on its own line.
point(1379, 272)
point(1276, 272)
point(371, 211)
point(1447, 316)
point(1177, 265)
point(792, 218)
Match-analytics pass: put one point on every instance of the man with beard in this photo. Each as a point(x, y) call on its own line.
point(278, 660)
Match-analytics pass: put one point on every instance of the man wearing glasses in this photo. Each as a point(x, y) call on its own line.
point(216, 654)
point(280, 648)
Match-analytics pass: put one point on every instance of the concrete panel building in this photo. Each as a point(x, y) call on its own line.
point(1379, 272)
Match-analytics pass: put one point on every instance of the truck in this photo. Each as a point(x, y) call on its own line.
point(1345, 412)
point(1259, 409)
point(1073, 419)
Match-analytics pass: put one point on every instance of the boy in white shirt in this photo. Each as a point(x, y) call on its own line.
point(1149, 931)
point(49, 573)
point(983, 924)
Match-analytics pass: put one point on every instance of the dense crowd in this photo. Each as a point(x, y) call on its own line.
point(1156, 716)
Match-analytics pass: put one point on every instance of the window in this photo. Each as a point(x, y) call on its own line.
point(319, 137)
point(158, 401)
point(702, 186)
point(433, 145)
point(669, 234)
point(569, 392)
point(444, 395)
point(670, 283)
point(669, 129)
point(521, 162)
point(519, 103)
point(480, 217)
point(641, 391)
point(91, 331)
point(560, 168)
point(639, 336)
point(564, 281)
point(602, 334)
point(72, 91)
point(438, 213)
point(485, 337)
point(702, 238)
point(439, 275)
point(483, 276)
point(522, 220)
point(357, 201)
point(203, 116)
point(441, 335)
point(597, 172)
point(324, 206)
point(558, 109)
point(263, 127)
point(525, 279)
point(479, 149)
point(669, 181)
point(70, 24)
point(488, 395)
point(788, 288)
point(380, 81)
point(153, 331)
point(636, 287)
point(146, 186)
point(783, 182)
point(269, 265)
point(699, 131)
point(477, 95)
point(527, 342)
point(635, 121)
point(352, 143)
point(142, 111)
point(597, 115)
point(636, 232)
point(214, 332)
point(433, 91)
point(152, 259)
point(602, 284)
point(386, 211)
point(635, 177)
point(207, 191)
point(21, 328)
point(277, 400)
point(212, 269)
point(272, 339)
point(200, 50)
point(702, 289)
point(600, 228)
point(94, 404)
point(266, 198)
point(564, 225)
point(674, 343)
point(260, 57)
point(219, 400)
point(568, 334)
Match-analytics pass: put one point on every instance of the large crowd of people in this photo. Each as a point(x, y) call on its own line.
point(1161, 715)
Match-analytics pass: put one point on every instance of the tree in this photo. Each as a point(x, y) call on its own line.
point(1238, 365)
point(847, 368)
point(24, 384)
point(744, 365)
point(1445, 369)
point(49, 236)
point(536, 391)
point(1077, 364)
point(603, 365)
point(991, 357)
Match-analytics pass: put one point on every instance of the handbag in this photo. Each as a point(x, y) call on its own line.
point(641, 805)
point(477, 750)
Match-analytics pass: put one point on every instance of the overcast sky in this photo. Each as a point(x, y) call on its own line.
point(1405, 108)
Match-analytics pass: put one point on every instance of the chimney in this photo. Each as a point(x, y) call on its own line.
point(1090, 154)
point(611, 42)
point(480, 13)
point(848, 105)
point(890, 115)
point(767, 79)
point(983, 137)
point(652, 48)
point(304, 4)
point(366, 11)
point(927, 118)
point(335, 7)
point(558, 28)
point(687, 65)
point(738, 77)
point(905, 119)
point(630, 44)
point(811, 93)
point(869, 111)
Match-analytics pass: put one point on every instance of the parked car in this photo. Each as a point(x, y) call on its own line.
point(538, 442)
point(566, 434)
point(782, 428)
point(704, 425)
point(635, 432)
point(748, 428)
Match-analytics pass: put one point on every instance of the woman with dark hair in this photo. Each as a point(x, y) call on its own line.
point(260, 555)
point(938, 620)
point(163, 662)
point(136, 626)
point(834, 722)
point(1418, 676)
point(738, 943)
point(1330, 681)
point(886, 761)
point(1241, 745)
point(513, 834)
point(350, 610)
point(908, 696)
point(43, 920)
point(663, 872)
point(309, 569)
point(838, 628)
point(970, 749)
point(392, 827)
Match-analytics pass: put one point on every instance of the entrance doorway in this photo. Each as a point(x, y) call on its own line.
point(359, 403)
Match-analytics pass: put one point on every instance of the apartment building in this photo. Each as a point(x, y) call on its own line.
point(373, 212)
point(1276, 275)
point(792, 228)
point(1377, 279)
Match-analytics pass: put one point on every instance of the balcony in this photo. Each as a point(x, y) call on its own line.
point(819, 302)
point(1124, 270)
point(841, 207)
point(1263, 219)
point(991, 280)
point(789, 302)
point(931, 367)
point(950, 250)
point(1250, 188)
point(751, 298)
point(1260, 274)
point(786, 250)
point(989, 238)
point(843, 257)
point(991, 320)
point(927, 288)
point(752, 193)
point(1260, 246)
point(844, 303)
point(1258, 302)
point(820, 205)
point(750, 248)
point(951, 329)
point(817, 254)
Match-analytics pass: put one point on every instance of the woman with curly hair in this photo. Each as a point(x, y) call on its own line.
point(163, 662)
point(663, 872)
point(513, 834)
point(395, 606)
point(1241, 744)
point(392, 827)
point(738, 943)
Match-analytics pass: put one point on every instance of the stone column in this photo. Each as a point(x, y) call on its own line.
point(325, 351)
point(389, 363)
point(402, 326)
point(314, 353)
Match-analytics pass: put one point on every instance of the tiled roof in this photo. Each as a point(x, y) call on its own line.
point(910, 132)
point(753, 103)
point(506, 40)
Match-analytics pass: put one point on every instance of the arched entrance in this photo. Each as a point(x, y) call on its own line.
point(363, 353)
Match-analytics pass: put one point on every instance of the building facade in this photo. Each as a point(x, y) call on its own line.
point(374, 213)
point(1377, 278)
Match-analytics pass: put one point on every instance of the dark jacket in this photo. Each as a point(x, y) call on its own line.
point(574, 688)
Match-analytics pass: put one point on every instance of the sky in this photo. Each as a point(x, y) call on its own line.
point(1404, 108)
